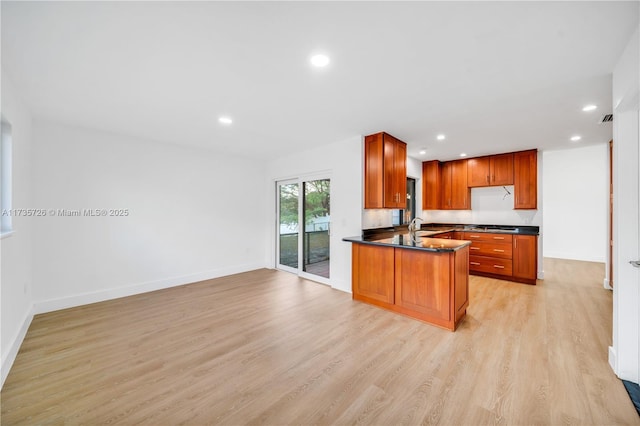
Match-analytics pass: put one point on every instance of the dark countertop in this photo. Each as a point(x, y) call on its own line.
point(427, 229)
point(418, 243)
point(399, 237)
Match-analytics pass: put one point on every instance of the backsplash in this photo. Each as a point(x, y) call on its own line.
point(489, 206)
point(376, 218)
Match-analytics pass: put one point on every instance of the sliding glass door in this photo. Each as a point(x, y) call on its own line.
point(304, 210)
point(288, 225)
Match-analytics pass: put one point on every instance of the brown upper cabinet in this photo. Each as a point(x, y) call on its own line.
point(447, 185)
point(431, 181)
point(525, 173)
point(456, 194)
point(494, 170)
point(385, 172)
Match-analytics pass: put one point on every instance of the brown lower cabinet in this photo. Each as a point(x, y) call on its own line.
point(430, 286)
point(504, 256)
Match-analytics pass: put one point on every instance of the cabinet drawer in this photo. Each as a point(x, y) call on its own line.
point(490, 265)
point(486, 236)
point(445, 235)
point(484, 248)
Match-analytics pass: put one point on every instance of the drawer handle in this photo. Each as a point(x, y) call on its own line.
point(499, 250)
point(474, 263)
point(474, 236)
point(474, 248)
point(498, 266)
point(498, 238)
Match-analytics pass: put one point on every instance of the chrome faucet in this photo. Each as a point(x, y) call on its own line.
point(413, 226)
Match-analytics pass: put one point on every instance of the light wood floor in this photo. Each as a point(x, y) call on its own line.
point(268, 348)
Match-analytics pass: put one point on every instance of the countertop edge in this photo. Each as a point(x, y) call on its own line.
point(463, 243)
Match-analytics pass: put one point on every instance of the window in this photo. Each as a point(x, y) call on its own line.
point(5, 177)
point(401, 217)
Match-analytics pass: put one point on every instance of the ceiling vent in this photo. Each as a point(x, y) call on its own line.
point(607, 118)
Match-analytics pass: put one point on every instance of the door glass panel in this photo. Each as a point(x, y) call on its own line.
point(317, 227)
point(288, 196)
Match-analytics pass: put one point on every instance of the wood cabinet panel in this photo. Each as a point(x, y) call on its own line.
point(478, 171)
point(489, 248)
point(431, 181)
point(525, 173)
point(456, 195)
point(525, 257)
point(501, 169)
point(490, 265)
point(430, 286)
point(487, 236)
point(373, 172)
point(461, 290)
point(385, 172)
point(494, 170)
point(460, 192)
point(422, 282)
point(372, 270)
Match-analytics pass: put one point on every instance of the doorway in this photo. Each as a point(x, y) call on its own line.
point(304, 227)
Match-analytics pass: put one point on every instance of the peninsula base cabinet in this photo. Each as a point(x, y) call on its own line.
point(429, 286)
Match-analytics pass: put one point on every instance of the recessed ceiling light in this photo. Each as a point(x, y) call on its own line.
point(423, 151)
point(225, 120)
point(440, 137)
point(319, 60)
point(589, 107)
point(464, 154)
point(576, 138)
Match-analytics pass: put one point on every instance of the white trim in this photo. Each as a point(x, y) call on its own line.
point(9, 358)
point(50, 305)
point(612, 358)
point(315, 278)
point(541, 275)
point(7, 234)
point(606, 285)
point(571, 256)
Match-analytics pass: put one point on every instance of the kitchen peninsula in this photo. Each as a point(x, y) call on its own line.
point(413, 274)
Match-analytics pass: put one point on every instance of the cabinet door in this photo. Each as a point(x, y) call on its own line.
point(525, 176)
point(445, 203)
point(400, 173)
point(501, 169)
point(373, 172)
point(431, 197)
point(390, 176)
point(525, 256)
point(372, 273)
point(460, 192)
point(423, 282)
point(478, 173)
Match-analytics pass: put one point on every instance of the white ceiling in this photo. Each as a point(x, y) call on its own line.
point(493, 77)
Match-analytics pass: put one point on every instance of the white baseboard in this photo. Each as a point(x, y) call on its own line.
point(606, 284)
point(612, 359)
point(573, 256)
point(541, 275)
point(14, 347)
point(50, 305)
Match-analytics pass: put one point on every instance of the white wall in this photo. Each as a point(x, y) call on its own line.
point(624, 354)
point(489, 206)
point(190, 216)
point(575, 200)
point(343, 161)
point(16, 250)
